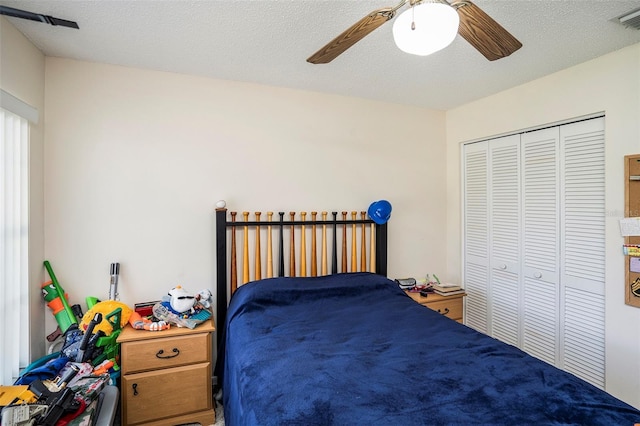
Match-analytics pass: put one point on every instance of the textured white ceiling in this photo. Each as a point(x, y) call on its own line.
point(268, 41)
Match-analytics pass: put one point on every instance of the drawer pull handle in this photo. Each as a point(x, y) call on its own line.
point(135, 389)
point(160, 353)
point(444, 311)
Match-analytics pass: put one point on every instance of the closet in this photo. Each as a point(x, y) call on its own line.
point(534, 243)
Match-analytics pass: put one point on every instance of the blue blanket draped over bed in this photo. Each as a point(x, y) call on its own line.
point(353, 349)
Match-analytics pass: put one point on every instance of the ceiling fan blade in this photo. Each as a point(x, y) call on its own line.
point(23, 14)
point(352, 35)
point(483, 33)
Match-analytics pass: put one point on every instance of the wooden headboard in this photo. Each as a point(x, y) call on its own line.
point(302, 259)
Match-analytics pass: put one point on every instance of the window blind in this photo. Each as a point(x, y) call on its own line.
point(14, 232)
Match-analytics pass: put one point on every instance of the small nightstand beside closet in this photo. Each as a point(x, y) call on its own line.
point(166, 376)
point(450, 306)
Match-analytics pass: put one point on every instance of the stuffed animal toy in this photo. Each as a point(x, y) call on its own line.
point(181, 301)
point(205, 298)
point(105, 308)
point(183, 308)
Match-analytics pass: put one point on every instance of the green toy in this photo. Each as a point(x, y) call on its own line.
point(56, 299)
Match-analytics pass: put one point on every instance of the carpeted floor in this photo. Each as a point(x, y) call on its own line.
point(219, 415)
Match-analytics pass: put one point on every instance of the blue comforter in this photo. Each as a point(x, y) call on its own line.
point(353, 349)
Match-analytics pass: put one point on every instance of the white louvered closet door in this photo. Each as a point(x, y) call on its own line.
point(476, 242)
point(583, 249)
point(540, 243)
point(534, 251)
point(504, 238)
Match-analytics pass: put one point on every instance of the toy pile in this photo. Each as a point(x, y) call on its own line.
point(59, 387)
point(184, 309)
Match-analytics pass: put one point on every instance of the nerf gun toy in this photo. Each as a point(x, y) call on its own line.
point(59, 403)
point(23, 415)
point(55, 297)
point(82, 355)
point(104, 367)
point(43, 403)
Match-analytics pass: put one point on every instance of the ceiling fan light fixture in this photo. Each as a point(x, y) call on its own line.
point(425, 28)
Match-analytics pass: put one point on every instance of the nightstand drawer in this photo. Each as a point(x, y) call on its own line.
point(450, 308)
point(147, 399)
point(166, 352)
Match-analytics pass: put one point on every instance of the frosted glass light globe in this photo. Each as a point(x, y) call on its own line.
point(436, 26)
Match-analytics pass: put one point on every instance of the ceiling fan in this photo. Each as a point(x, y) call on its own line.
point(475, 26)
point(23, 14)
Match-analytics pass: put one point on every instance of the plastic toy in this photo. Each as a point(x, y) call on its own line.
point(164, 313)
point(54, 394)
point(140, 323)
point(103, 367)
point(113, 284)
point(115, 315)
point(85, 351)
point(108, 309)
point(56, 299)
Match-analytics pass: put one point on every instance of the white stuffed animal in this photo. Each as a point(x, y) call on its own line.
point(205, 298)
point(181, 301)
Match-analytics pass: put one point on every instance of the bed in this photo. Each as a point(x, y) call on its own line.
point(351, 347)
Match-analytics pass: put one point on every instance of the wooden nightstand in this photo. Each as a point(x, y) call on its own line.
point(450, 306)
point(166, 376)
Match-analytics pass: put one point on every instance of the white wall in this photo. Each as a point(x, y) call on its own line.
point(136, 160)
point(610, 84)
point(22, 69)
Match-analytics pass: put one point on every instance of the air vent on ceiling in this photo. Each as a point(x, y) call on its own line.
point(631, 19)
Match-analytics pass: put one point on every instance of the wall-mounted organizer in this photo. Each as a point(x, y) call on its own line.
point(632, 242)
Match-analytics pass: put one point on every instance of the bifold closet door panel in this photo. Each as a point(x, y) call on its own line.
point(504, 238)
point(476, 234)
point(540, 243)
point(582, 253)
